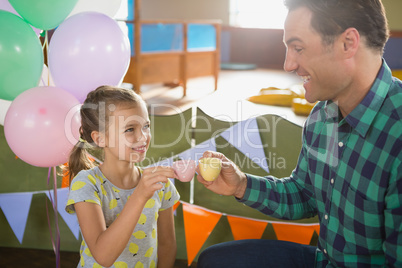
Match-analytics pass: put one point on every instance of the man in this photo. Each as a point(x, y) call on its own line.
point(349, 171)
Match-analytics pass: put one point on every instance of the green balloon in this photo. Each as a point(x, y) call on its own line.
point(44, 14)
point(21, 56)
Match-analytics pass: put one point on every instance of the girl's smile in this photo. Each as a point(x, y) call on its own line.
point(128, 135)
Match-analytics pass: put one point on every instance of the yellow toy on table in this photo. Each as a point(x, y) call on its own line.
point(301, 106)
point(292, 97)
point(397, 74)
point(274, 96)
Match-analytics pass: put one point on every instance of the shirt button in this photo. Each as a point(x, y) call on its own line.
point(340, 144)
point(332, 181)
point(326, 216)
point(325, 251)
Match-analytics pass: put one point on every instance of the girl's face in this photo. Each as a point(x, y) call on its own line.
point(128, 135)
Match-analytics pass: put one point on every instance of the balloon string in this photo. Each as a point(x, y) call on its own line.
point(56, 246)
point(47, 56)
point(56, 217)
point(47, 211)
point(45, 49)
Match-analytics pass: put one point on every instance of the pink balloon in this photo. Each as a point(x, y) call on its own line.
point(42, 126)
point(88, 50)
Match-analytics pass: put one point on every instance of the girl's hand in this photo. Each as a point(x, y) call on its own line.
point(152, 179)
point(231, 180)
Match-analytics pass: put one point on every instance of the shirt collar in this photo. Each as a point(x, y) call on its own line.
point(363, 115)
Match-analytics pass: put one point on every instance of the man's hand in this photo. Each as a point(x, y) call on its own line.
point(231, 180)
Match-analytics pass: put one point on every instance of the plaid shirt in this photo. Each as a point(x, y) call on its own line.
point(349, 172)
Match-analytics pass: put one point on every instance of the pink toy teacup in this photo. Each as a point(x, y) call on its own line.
point(184, 169)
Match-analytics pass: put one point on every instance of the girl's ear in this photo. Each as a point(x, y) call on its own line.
point(98, 138)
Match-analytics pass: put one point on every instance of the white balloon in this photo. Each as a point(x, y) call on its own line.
point(108, 7)
point(4, 105)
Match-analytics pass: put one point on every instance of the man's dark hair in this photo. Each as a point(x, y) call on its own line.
point(332, 17)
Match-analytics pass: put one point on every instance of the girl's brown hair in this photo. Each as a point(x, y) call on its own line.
point(95, 112)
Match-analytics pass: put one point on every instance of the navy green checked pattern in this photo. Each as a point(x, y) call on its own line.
point(349, 172)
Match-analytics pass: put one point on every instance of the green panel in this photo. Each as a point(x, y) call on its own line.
point(208, 127)
point(281, 140)
point(16, 175)
point(282, 143)
point(180, 235)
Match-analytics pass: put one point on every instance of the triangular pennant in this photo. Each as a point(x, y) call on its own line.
point(198, 225)
point(16, 207)
point(196, 152)
point(65, 181)
point(298, 233)
point(176, 205)
point(317, 228)
point(245, 228)
point(245, 136)
point(70, 219)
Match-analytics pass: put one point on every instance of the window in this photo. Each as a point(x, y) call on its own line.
point(257, 13)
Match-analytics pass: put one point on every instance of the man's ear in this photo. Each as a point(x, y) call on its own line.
point(98, 138)
point(351, 41)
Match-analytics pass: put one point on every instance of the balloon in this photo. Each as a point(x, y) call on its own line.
point(42, 126)
point(43, 14)
point(108, 7)
point(88, 50)
point(5, 5)
point(21, 56)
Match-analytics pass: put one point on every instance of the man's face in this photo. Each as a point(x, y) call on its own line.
point(319, 65)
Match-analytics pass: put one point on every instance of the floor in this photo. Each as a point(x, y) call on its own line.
point(33, 258)
point(227, 103)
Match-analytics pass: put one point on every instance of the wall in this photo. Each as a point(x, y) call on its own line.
point(262, 47)
point(393, 9)
point(185, 9)
point(219, 9)
point(257, 46)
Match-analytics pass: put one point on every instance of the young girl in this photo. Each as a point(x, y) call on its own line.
point(125, 213)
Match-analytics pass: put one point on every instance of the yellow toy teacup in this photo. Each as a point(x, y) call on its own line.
point(210, 168)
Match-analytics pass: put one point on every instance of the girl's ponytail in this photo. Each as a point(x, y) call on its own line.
point(78, 160)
